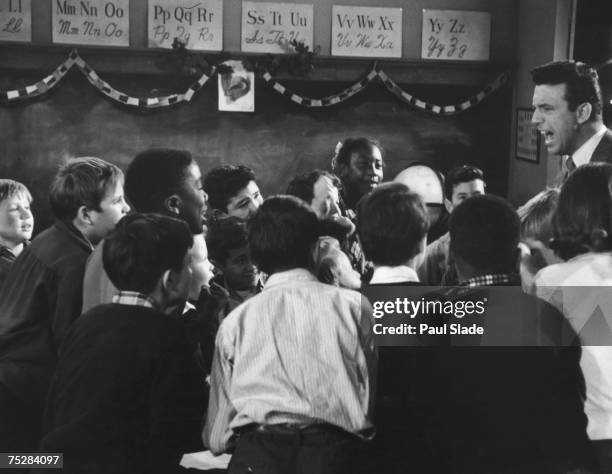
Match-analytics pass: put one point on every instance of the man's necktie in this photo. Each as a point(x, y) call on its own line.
point(569, 167)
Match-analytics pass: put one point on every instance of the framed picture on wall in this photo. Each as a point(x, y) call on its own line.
point(527, 136)
point(236, 88)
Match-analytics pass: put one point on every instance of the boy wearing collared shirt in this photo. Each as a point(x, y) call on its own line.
point(292, 381)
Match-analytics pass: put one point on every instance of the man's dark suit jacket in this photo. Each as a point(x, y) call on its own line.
point(603, 152)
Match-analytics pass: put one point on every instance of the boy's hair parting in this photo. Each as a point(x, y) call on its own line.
point(582, 221)
point(82, 181)
point(536, 215)
point(302, 186)
point(224, 182)
point(282, 233)
point(225, 234)
point(142, 247)
point(458, 175)
point(154, 175)
point(580, 79)
point(484, 232)
point(344, 150)
point(391, 223)
point(10, 188)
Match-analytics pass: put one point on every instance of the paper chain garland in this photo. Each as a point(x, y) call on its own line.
point(52, 80)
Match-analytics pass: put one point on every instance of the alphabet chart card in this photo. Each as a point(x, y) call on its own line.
point(449, 35)
point(366, 31)
point(270, 27)
point(92, 22)
point(198, 24)
point(15, 20)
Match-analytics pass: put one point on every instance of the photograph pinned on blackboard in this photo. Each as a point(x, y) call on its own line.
point(236, 88)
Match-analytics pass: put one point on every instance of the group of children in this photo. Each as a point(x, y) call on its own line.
point(120, 332)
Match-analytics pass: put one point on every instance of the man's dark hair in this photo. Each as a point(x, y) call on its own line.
point(582, 221)
point(142, 247)
point(282, 233)
point(153, 176)
point(225, 234)
point(224, 182)
point(391, 223)
point(581, 80)
point(484, 233)
point(353, 145)
point(458, 175)
point(302, 186)
point(82, 181)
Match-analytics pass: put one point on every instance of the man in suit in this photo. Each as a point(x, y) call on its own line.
point(568, 114)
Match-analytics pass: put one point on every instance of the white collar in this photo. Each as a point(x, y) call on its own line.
point(397, 274)
point(289, 276)
point(583, 154)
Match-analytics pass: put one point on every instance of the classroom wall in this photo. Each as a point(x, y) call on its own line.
point(503, 21)
point(543, 36)
point(278, 140)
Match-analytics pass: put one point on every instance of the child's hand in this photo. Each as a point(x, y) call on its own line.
point(212, 301)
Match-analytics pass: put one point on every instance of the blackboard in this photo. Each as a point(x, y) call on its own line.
point(278, 141)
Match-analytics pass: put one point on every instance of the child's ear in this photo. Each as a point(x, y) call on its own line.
point(169, 281)
point(84, 216)
point(173, 204)
point(518, 258)
point(166, 280)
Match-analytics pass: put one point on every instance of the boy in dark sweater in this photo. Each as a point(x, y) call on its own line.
point(41, 296)
point(127, 396)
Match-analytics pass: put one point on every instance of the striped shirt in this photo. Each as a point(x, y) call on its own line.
point(300, 352)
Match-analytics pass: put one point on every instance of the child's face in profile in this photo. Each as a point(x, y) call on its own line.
point(16, 220)
point(347, 276)
point(112, 208)
point(201, 268)
point(178, 289)
point(534, 256)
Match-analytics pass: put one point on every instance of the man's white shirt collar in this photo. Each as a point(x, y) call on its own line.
point(583, 154)
point(398, 274)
